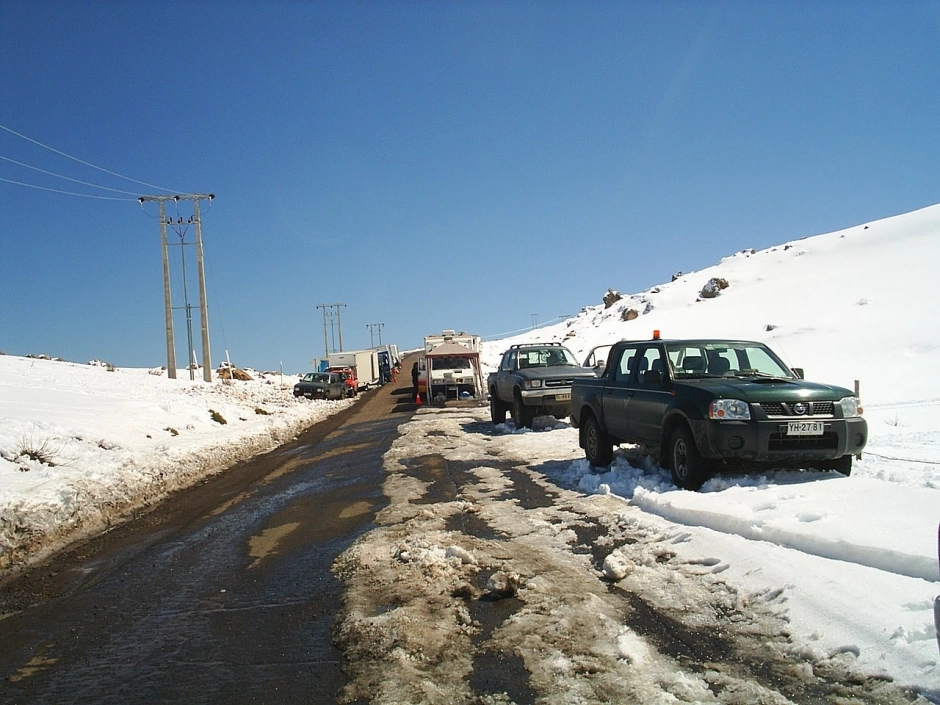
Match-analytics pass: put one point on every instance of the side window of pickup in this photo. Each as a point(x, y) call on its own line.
point(624, 371)
point(652, 368)
point(509, 360)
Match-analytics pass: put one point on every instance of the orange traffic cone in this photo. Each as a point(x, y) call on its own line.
point(418, 399)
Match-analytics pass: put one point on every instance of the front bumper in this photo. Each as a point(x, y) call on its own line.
point(767, 440)
point(554, 401)
point(311, 393)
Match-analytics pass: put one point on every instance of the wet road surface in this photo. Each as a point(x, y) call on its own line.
point(222, 594)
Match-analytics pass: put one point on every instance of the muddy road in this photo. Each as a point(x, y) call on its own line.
point(223, 593)
point(391, 557)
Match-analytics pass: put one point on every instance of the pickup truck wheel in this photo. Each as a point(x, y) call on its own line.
point(689, 468)
point(598, 448)
point(497, 410)
point(521, 414)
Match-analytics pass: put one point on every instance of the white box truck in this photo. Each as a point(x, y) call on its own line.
point(390, 352)
point(364, 362)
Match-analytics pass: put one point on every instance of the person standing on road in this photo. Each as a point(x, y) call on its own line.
point(414, 379)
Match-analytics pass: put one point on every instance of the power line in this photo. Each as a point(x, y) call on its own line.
point(81, 161)
point(67, 178)
point(68, 193)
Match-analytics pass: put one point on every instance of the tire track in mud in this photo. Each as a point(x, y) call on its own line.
point(500, 565)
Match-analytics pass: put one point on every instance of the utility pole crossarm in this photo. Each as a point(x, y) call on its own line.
point(178, 197)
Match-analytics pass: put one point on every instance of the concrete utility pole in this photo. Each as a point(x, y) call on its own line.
point(331, 313)
point(168, 302)
point(372, 329)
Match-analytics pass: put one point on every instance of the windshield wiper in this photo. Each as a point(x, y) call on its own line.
point(762, 375)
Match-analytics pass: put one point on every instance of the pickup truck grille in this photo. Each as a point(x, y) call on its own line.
point(814, 408)
point(558, 382)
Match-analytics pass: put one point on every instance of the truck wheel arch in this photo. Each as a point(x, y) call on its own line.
point(669, 425)
point(587, 412)
point(591, 405)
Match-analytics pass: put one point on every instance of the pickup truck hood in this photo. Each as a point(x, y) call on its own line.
point(557, 372)
point(771, 389)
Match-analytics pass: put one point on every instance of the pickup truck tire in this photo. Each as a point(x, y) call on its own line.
point(521, 414)
point(689, 469)
point(598, 448)
point(497, 410)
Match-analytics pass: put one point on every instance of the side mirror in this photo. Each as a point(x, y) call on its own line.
point(798, 371)
point(600, 367)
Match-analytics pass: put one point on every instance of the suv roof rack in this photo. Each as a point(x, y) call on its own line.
point(533, 345)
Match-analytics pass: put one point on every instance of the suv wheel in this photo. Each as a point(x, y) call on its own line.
point(521, 414)
point(689, 468)
point(598, 448)
point(497, 410)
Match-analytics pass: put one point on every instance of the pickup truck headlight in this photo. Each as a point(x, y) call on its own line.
point(729, 410)
point(533, 383)
point(851, 407)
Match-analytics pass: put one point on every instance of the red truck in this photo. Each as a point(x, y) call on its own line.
point(349, 377)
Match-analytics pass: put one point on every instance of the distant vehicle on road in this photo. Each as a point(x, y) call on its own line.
point(450, 365)
point(533, 380)
point(703, 405)
point(348, 375)
point(364, 362)
point(321, 385)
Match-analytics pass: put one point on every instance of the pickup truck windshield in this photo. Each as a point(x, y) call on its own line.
point(724, 359)
point(554, 356)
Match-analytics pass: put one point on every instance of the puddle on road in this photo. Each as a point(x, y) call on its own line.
point(496, 671)
point(471, 524)
point(31, 668)
point(433, 470)
point(259, 547)
point(355, 510)
point(336, 452)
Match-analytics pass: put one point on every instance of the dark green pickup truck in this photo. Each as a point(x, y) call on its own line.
point(701, 406)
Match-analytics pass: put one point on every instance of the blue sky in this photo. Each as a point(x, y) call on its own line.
point(468, 165)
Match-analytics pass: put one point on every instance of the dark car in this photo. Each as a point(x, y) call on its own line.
point(321, 385)
point(705, 404)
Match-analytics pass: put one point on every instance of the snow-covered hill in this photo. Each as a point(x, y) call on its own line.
point(853, 304)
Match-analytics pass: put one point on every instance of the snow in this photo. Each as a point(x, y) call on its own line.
point(850, 562)
point(82, 446)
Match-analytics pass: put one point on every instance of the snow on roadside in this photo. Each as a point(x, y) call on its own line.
point(81, 446)
point(581, 584)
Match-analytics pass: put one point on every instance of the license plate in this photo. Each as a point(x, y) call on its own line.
point(562, 397)
point(805, 428)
